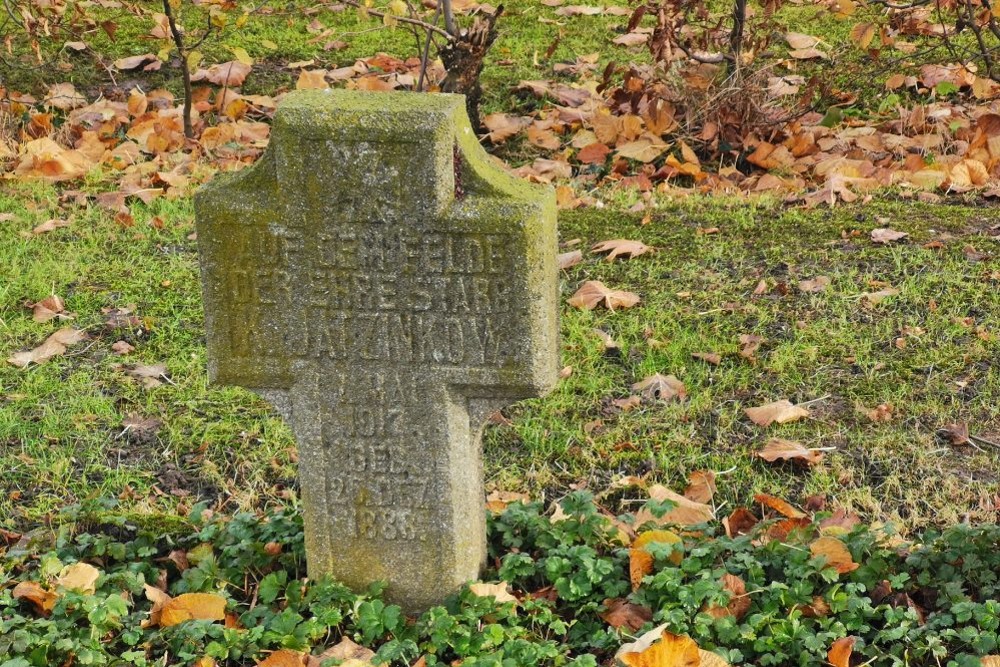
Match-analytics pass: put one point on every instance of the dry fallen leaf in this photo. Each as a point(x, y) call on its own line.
point(671, 651)
point(884, 235)
point(661, 388)
point(43, 600)
point(640, 561)
point(593, 293)
point(568, 259)
point(836, 553)
point(497, 591)
point(193, 607)
point(798, 40)
point(53, 346)
point(780, 506)
point(622, 248)
point(708, 357)
point(50, 225)
point(284, 658)
point(48, 308)
point(686, 513)
point(788, 450)
point(701, 486)
point(813, 285)
point(840, 651)
point(148, 375)
point(777, 412)
point(621, 613)
point(345, 650)
point(740, 522)
point(739, 601)
point(80, 577)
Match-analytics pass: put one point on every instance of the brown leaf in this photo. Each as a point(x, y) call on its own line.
point(686, 513)
point(780, 506)
point(956, 434)
point(231, 74)
point(121, 347)
point(497, 501)
point(740, 522)
point(621, 247)
point(503, 126)
point(701, 486)
point(50, 225)
point(808, 54)
point(43, 600)
point(55, 345)
point(48, 308)
point(148, 375)
point(640, 561)
point(798, 40)
point(159, 599)
point(739, 601)
point(620, 613)
point(817, 284)
point(836, 553)
point(568, 259)
point(671, 651)
point(595, 153)
point(193, 607)
point(80, 577)
point(750, 343)
point(134, 62)
point(344, 650)
point(708, 357)
point(788, 450)
point(661, 388)
point(312, 80)
point(885, 235)
point(593, 293)
point(777, 412)
point(840, 651)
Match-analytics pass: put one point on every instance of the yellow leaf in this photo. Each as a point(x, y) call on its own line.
point(268, 44)
point(671, 651)
point(79, 577)
point(241, 55)
point(193, 607)
point(193, 60)
point(862, 34)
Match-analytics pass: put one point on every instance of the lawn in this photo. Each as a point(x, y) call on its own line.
point(881, 377)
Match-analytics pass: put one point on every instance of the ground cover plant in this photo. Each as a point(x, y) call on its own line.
point(569, 591)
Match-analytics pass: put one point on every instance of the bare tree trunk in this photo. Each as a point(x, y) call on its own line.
point(463, 60)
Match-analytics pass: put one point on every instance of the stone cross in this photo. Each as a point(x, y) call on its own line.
point(385, 286)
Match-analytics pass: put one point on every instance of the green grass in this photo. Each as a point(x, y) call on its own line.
point(61, 424)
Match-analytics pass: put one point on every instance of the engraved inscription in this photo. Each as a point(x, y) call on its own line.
point(382, 488)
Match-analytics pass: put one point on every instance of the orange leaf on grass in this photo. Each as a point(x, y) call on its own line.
point(739, 601)
point(780, 506)
point(686, 513)
point(284, 658)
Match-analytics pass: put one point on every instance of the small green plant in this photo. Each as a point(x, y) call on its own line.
point(932, 603)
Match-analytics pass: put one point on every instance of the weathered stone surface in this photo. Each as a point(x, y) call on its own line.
point(385, 286)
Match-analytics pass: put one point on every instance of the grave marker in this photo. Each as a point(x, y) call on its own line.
point(386, 287)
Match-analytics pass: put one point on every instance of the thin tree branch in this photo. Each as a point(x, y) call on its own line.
point(401, 19)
